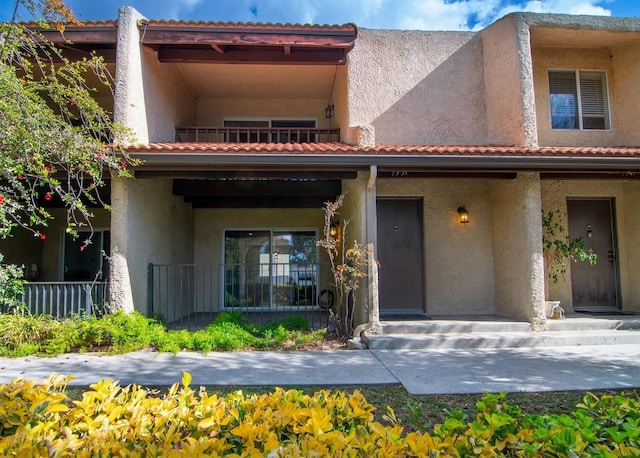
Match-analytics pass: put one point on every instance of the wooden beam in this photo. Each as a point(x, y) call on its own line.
point(266, 56)
point(190, 36)
point(246, 174)
point(259, 202)
point(218, 48)
point(256, 188)
point(287, 50)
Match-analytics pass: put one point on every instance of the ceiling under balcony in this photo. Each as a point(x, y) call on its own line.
point(557, 37)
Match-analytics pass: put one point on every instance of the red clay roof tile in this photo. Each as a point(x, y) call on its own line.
point(385, 150)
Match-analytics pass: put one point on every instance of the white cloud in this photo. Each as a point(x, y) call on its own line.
point(465, 14)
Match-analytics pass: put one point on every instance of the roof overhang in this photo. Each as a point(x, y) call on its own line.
point(184, 160)
point(79, 40)
point(248, 43)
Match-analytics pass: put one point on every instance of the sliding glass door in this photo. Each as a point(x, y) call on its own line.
point(269, 268)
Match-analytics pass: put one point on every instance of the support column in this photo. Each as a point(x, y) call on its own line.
point(517, 241)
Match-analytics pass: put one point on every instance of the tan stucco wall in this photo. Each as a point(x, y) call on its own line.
point(626, 81)
point(355, 210)
point(546, 59)
point(151, 98)
point(459, 263)
point(517, 239)
point(212, 112)
point(211, 223)
point(508, 83)
point(148, 225)
point(627, 210)
point(418, 87)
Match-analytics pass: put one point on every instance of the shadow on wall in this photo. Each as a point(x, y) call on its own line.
point(446, 107)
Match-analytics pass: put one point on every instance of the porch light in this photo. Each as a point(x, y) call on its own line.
point(463, 215)
point(328, 112)
point(333, 229)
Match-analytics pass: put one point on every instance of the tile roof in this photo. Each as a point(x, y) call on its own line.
point(350, 27)
point(384, 150)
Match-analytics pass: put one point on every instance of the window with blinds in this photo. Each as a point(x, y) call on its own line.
point(578, 100)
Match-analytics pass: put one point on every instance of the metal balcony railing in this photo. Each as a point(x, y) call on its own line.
point(256, 135)
point(190, 296)
point(63, 299)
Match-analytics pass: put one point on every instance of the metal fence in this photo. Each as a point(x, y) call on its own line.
point(63, 299)
point(190, 296)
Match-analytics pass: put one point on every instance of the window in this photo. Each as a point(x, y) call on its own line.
point(262, 130)
point(270, 268)
point(86, 263)
point(578, 100)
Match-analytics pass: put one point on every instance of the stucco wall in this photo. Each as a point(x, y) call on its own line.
point(517, 239)
point(168, 101)
point(211, 223)
point(459, 263)
point(355, 210)
point(418, 87)
point(151, 98)
point(626, 81)
point(627, 209)
point(148, 225)
point(508, 83)
point(546, 59)
point(212, 111)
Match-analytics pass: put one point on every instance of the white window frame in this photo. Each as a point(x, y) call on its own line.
point(580, 114)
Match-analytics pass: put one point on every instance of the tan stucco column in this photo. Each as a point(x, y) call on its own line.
point(517, 240)
point(120, 293)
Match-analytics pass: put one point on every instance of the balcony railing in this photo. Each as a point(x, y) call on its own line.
point(190, 296)
point(63, 299)
point(256, 135)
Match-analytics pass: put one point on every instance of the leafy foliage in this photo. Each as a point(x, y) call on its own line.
point(58, 144)
point(559, 249)
point(111, 420)
point(24, 334)
point(348, 265)
point(11, 286)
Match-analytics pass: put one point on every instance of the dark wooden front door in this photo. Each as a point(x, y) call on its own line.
point(401, 255)
point(594, 287)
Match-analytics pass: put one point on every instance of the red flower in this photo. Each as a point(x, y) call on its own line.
point(1, 199)
point(47, 196)
point(70, 101)
point(47, 169)
point(19, 177)
point(99, 154)
point(43, 236)
point(123, 163)
point(82, 248)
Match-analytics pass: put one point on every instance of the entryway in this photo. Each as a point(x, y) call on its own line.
point(400, 253)
point(594, 287)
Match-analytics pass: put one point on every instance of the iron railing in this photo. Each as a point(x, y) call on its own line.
point(190, 296)
point(63, 299)
point(256, 134)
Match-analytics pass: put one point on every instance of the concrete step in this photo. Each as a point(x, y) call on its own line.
point(511, 339)
point(451, 326)
point(592, 324)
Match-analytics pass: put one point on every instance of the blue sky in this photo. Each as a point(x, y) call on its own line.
point(390, 14)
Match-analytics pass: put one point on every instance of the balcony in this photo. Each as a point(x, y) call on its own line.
point(256, 135)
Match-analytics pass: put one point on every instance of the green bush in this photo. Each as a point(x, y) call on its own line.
point(23, 334)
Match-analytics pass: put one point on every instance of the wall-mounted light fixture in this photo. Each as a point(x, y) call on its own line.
point(328, 112)
point(334, 228)
point(463, 215)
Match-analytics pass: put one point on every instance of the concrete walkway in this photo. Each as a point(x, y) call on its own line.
point(419, 371)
